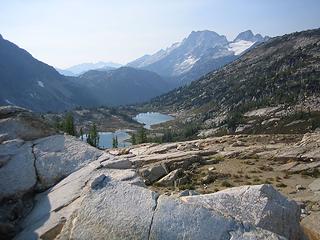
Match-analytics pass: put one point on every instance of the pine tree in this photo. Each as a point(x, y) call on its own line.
point(81, 134)
point(115, 142)
point(93, 136)
point(133, 139)
point(68, 125)
point(142, 135)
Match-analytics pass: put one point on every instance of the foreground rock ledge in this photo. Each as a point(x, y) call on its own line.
point(89, 194)
point(114, 204)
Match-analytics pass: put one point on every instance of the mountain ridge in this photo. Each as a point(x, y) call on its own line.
point(203, 47)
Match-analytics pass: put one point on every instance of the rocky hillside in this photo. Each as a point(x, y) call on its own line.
point(69, 190)
point(201, 52)
point(283, 72)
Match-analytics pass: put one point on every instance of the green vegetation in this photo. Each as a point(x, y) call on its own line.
point(66, 124)
point(114, 141)
point(142, 135)
point(93, 136)
point(226, 184)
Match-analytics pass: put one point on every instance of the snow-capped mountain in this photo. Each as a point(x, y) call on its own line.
point(244, 41)
point(205, 47)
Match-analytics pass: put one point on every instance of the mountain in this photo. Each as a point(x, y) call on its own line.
point(121, 86)
point(65, 72)
point(32, 84)
point(283, 72)
point(198, 54)
point(84, 67)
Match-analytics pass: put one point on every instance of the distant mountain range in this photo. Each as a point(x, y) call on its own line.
point(32, 84)
point(84, 67)
point(201, 52)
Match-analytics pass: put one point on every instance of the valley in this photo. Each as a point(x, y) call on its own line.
point(213, 137)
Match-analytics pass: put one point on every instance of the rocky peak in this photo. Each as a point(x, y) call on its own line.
point(249, 36)
point(206, 39)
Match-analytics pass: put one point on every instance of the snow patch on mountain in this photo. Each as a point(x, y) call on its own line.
point(150, 59)
point(186, 65)
point(40, 83)
point(239, 47)
point(9, 102)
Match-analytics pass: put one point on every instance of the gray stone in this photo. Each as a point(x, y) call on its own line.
point(17, 175)
point(154, 173)
point(172, 220)
point(170, 178)
point(18, 122)
point(269, 211)
point(117, 164)
point(59, 155)
point(188, 193)
point(56, 205)
point(118, 211)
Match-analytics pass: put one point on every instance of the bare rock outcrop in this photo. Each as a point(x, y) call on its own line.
point(269, 211)
point(59, 155)
point(21, 123)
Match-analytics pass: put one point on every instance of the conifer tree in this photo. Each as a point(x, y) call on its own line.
point(68, 125)
point(93, 136)
point(142, 135)
point(115, 142)
point(133, 139)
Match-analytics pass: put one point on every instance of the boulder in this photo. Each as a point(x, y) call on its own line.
point(154, 173)
point(17, 173)
point(116, 211)
point(59, 155)
point(172, 220)
point(18, 122)
point(170, 178)
point(261, 206)
point(56, 205)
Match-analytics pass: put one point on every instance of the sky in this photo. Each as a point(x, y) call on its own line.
point(63, 33)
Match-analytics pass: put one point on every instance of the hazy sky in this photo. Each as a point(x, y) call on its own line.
point(67, 32)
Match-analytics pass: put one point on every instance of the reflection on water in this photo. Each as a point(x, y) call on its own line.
point(152, 118)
